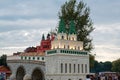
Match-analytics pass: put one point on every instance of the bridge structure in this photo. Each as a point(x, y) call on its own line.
point(26, 70)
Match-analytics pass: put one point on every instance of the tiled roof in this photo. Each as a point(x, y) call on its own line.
point(4, 69)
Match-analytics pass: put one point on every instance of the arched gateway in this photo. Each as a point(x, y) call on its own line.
point(20, 73)
point(27, 70)
point(37, 74)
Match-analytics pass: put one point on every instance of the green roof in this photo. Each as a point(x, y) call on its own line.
point(61, 28)
point(72, 27)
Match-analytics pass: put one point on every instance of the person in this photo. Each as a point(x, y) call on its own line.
point(88, 77)
point(109, 78)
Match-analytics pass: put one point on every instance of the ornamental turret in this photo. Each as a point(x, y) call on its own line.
point(72, 32)
point(62, 30)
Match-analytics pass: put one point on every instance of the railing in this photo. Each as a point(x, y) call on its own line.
point(65, 51)
point(26, 61)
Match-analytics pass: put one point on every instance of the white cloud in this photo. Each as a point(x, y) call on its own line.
point(106, 41)
point(11, 50)
point(28, 23)
point(106, 28)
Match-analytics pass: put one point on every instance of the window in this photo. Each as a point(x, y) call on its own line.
point(75, 47)
point(42, 58)
point(85, 68)
point(25, 57)
point(78, 48)
point(82, 68)
point(69, 79)
point(33, 58)
point(21, 57)
point(74, 68)
point(78, 68)
point(61, 67)
point(38, 58)
point(68, 46)
point(29, 58)
point(69, 38)
point(66, 68)
point(72, 38)
point(62, 37)
point(69, 68)
point(64, 46)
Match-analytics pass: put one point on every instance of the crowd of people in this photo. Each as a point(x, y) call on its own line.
point(104, 76)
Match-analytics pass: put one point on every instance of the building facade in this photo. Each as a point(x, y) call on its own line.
point(63, 55)
point(66, 60)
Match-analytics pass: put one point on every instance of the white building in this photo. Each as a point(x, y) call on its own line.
point(66, 60)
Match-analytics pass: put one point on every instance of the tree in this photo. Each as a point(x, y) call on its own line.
point(3, 61)
point(107, 66)
point(80, 14)
point(116, 65)
point(92, 62)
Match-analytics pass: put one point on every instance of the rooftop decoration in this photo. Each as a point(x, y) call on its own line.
point(61, 28)
point(72, 27)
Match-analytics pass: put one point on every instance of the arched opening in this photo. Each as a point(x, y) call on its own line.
point(20, 73)
point(37, 74)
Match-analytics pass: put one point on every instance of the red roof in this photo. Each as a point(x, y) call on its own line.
point(4, 69)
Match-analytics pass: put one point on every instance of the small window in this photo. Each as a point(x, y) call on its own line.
point(74, 68)
point(61, 67)
point(78, 68)
point(64, 46)
point(22, 57)
point(78, 48)
point(75, 47)
point(29, 58)
point(69, 68)
point(69, 38)
point(25, 57)
point(68, 46)
point(38, 58)
point(69, 79)
point(62, 37)
point(82, 68)
point(73, 38)
point(66, 68)
point(33, 58)
point(85, 68)
point(42, 58)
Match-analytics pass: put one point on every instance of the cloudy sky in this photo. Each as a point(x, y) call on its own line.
point(22, 22)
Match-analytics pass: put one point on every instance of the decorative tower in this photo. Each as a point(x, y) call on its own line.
point(72, 32)
point(62, 30)
point(66, 60)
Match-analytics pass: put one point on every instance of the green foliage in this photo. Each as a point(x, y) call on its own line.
point(116, 65)
point(3, 60)
point(101, 66)
point(92, 61)
point(80, 14)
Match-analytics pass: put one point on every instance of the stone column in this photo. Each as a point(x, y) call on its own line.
point(12, 77)
point(27, 77)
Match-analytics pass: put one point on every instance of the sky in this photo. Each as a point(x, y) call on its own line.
point(22, 23)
